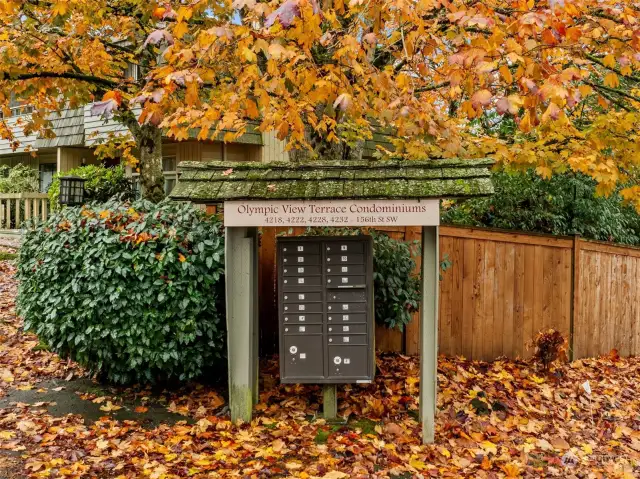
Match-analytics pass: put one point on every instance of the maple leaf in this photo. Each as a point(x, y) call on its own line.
point(110, 407)
point(104, 108)
point(227, 172)
point(481, 98)
point(343, 102)
point(285, 14)
point(158, 36)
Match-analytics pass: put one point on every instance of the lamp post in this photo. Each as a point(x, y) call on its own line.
point(71, 191)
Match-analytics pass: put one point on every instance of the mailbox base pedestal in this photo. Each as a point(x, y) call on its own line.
point(330, 402)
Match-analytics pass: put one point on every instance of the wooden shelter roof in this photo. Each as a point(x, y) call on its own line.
point(325, 180)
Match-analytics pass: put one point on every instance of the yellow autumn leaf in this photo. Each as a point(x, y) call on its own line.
point(506, 74)
point(249, 55)
point(612, 80)
point(60, 8)
point(609, 61)
point(489, 447)
point(417, 464)
point(110, 407)
point(585, 90)
point(180, 29)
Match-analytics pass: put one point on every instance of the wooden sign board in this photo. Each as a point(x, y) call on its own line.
point(332, 213)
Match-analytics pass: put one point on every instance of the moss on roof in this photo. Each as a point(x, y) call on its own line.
point(389, 179)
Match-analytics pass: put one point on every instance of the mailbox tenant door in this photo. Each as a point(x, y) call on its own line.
point(325, 291)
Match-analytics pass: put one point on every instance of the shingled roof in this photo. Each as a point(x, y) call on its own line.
point(324, 180)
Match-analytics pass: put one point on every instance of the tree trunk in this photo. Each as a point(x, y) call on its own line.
point(149, 140)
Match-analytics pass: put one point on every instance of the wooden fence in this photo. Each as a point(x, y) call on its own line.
point(15, 208)
point(504, 287)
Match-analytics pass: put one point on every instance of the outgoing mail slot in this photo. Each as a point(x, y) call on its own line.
point(302, 308)
point(302, 328)
point(307, 248)
point(345, 269)
point(315, 318)
point(299, 296)
point(337, 281)
point(346, 318)
point(301, 270)
point(345, 247)
point(347, 339)
point(349, 361)
point(297, 283)
point(302, 357)
point(346, 307)
point(347, 328)
point(347, 258)
point(300, 259)
point(347, 296)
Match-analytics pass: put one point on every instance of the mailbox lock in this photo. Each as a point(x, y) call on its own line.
point(330, 340)
point(286, 330)
point(286, 297)
point(337, 360)
point(293, 349)
point(330, 329)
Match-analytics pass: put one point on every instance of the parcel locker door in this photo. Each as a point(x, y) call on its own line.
point(303, 356)
point(348, 361)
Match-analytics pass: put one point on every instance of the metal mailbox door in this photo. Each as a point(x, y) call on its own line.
point(325, 307)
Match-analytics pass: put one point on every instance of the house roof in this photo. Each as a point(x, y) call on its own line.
point(390, 179)
point(68, 126)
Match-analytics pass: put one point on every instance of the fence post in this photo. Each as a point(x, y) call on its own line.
point(575, 294)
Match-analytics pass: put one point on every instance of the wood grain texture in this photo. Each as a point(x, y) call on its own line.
point(503, 288)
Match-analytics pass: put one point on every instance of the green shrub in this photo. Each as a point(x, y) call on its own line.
point(101, 184)
point(397, 290)
point(19, 179)
point(133, 291)
point(563, 205)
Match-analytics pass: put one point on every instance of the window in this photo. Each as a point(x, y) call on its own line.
point(16, 108)
point(46, 176)
point(133, 71)
point(170, 170)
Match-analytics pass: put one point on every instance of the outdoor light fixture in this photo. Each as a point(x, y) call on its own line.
point(71, 190)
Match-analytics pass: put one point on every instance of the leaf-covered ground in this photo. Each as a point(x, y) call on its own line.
point(495, 420)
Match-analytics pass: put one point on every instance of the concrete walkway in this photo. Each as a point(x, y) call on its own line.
point(63, 397)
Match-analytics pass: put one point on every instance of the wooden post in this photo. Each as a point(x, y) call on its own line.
point(429, 332)
point(241, 320)
point(330, 401)
point(255, 302)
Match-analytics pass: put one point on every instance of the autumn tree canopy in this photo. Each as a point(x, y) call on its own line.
point(551, 84)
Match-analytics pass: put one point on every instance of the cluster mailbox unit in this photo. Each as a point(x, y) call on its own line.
point(325, 291)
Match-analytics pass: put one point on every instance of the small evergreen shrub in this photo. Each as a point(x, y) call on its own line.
point(133, 291)
point(397, 288)
point(102, 184)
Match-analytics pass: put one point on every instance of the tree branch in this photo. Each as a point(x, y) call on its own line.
point(613, 90)
point(432, 87)
point(596, 60)
point(68, 75)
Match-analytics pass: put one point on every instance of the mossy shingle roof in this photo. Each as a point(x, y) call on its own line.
point(323, 180)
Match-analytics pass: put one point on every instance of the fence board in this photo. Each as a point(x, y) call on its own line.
point(502, 288)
